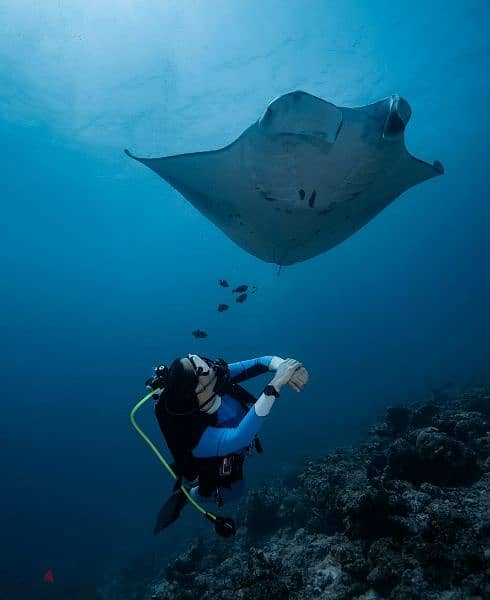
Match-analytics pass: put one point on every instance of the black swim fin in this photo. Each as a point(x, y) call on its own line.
point(170, 511)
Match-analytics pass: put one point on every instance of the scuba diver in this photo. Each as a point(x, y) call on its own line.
point(210, 424)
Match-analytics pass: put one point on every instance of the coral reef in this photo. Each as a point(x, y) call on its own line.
point(406, 515)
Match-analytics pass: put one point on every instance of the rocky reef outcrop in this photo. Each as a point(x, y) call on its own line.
point(406, 515)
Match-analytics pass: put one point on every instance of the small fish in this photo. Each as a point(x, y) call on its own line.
point(311, 200)
point(240, 289)
point(254, 289)
point(48, 577)
point(199, 333)
point(241, 298)
point(223, 307)
point(223, 283)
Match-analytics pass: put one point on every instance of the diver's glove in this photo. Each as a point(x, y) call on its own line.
point(299, 378)
point(275, 362)
point(284, 373)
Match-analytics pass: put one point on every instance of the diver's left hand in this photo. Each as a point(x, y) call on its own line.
point(275, 362)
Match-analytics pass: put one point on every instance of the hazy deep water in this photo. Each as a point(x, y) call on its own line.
point(106, 270)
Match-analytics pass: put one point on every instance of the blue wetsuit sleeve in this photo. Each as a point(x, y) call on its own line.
point(246, 369)
point(219, 441)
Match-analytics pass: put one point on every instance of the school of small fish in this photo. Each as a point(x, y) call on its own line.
point(242, 292)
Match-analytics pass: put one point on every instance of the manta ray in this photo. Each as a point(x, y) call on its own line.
point(303, 178)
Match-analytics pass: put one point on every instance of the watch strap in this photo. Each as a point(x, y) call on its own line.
point(270, 390)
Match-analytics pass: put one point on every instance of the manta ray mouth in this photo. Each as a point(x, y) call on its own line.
point(399, 113)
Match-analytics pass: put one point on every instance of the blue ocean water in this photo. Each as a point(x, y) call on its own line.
point(106, 270)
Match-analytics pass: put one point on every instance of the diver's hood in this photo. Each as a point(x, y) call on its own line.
point(179, 395)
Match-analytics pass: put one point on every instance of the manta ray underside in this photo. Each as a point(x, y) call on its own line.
point(302, 178)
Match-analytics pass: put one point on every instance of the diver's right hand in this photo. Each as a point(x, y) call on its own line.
point(299, 379)
point(284, 372)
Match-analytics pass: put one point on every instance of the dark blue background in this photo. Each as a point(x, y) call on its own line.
point(105, 270)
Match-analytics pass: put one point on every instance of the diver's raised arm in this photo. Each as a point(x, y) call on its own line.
point(246, 369)
point(220, 441)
